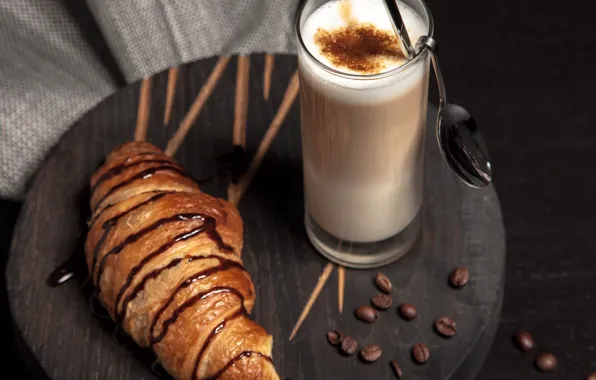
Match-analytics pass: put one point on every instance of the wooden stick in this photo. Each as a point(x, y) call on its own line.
point(240, 109)
point(197, 105)
point(267, 71)
point(170, 92)
point(313, 297)
point(241, 104)
point(341, 283)
point(283, 110)
point(144, 110)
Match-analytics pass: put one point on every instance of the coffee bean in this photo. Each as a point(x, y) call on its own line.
point(446, 327)
point(591, 377)
point(524, 341)
point(366, 314)
point(371, 353)
point(546, 362)
point(382, 301)
point(407, 311)
point(396, 369)
point(383, 283)
point(420, 353)
point(459, 277)
point(349, 345)
point(335, 337)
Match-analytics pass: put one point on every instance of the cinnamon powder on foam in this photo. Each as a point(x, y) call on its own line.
point(358, 47)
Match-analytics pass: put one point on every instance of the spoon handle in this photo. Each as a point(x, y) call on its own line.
point(431, 46)
point(399, 28)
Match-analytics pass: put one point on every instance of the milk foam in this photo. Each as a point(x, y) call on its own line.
point(329, 17)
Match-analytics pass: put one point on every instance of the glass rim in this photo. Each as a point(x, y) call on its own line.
point(417, 57)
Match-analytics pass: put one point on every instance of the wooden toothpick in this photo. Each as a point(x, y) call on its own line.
point(170, 92)
point(313, 297)
point(284, 108)
point(267, 71)
point(197, 106)
point(240, 109)
point(341, 284)
point(143, 110)
point(241, 103)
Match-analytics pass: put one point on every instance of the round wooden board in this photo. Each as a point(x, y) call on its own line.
point(462, 226)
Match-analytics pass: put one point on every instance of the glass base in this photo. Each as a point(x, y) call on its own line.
point(363, 255)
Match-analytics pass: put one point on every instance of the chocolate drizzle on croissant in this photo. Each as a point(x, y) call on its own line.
point(120, 168)
point(153, 274)
point(143, 175)
point(165, 259)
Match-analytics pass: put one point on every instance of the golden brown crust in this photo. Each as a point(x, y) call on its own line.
point(165, 258)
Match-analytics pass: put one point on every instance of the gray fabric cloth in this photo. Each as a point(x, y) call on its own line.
point(52, 66)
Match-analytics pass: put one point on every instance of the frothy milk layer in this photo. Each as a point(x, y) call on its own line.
point(338, 14)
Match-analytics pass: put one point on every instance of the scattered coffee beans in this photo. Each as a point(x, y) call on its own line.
point(546, 362)
point(396, 369)
point(383, 283)
point(335, 337)
point(524, 341)
point(420, 353)
point(349, 345)
point(591, 377)
point(371, 353)
point(366, 314)
point(382, 301)
point(407, 311)
point(446, 327)
point(459, 277)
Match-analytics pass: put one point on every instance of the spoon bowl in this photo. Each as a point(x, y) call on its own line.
point(462, 145)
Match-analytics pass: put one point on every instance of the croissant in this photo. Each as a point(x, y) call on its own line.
point(165, 260)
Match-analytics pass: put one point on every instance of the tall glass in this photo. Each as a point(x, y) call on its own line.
point(363, 153)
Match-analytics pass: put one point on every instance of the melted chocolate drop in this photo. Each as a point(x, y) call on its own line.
point(68, 270)
point(231, 362)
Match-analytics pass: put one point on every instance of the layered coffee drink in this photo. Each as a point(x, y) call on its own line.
point(363, 115)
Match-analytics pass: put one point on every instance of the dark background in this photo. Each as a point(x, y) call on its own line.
point(526, 71)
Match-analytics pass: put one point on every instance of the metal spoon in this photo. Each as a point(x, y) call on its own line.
point(399, 28)
point(460, 141)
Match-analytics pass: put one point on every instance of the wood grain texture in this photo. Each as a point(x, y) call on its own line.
point(461, 227)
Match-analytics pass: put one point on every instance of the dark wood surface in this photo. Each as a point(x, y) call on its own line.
point(534, 105)
point(461, 226)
